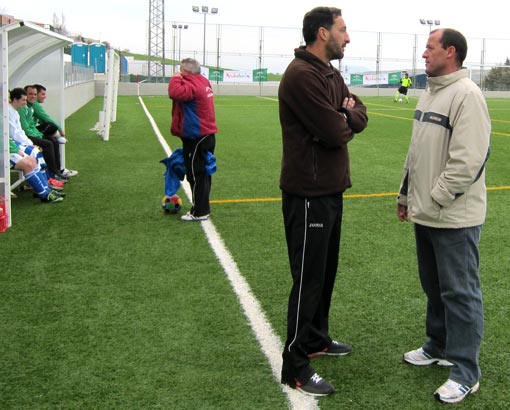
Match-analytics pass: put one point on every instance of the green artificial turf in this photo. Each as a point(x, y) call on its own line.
point(107, 303)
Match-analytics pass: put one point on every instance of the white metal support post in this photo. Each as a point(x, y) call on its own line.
point(5, 174)
point(110, 96)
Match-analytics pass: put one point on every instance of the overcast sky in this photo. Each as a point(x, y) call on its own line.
point(124, 23)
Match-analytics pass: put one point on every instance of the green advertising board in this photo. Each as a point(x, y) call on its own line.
point(356, 79)
point(260, 75)
point(394, 78)
point(215, 75)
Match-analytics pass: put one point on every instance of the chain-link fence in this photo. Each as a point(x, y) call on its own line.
point(236, 47)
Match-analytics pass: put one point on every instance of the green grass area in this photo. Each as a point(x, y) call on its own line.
point(107, 303)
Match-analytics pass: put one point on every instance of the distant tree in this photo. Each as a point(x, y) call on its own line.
point(498, 78)
point(59, 25)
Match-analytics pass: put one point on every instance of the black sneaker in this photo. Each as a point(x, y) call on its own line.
point(54, 193)
point(316, 386)
point(55, 188)
point(52, 197)
point(61, 178)
point(334, 349)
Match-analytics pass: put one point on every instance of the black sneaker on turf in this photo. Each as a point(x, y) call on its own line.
point(316, 386)
point(334, 349)
point(189, 217)
point(52, 197)
point(61, 178)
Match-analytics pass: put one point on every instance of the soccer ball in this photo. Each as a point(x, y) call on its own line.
point(400, 100)
point(171, 204)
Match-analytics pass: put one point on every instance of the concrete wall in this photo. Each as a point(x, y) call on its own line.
point(265, 89)
point(76, 96)
point(268, 89)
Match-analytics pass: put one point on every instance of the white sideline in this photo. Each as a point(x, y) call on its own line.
point(269, 342)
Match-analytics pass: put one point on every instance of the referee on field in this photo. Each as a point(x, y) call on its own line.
point(405, 83)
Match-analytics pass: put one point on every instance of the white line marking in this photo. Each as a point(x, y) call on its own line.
point(269, 98)
point(269, 342)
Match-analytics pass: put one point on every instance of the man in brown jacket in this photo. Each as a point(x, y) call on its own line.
point(318, 116)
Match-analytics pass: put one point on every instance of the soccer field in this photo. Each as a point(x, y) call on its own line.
point(107, 303)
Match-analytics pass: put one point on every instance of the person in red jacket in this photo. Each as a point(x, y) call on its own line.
point(194, 121)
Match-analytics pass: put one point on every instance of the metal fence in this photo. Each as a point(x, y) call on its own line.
point(75, 74)
point(240, 47)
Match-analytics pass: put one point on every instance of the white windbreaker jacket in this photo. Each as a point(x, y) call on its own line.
point(443, 184)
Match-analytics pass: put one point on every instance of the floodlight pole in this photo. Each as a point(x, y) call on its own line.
point(179, 27)
point(205, 25)
point(430, 23)
point(205, 11)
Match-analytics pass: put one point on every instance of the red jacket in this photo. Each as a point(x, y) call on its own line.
point(193, 106)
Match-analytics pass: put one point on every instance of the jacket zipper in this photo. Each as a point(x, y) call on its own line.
point(315, 166)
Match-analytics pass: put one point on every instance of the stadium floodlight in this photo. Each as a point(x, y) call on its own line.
point(205, 11)
point(430, 23)
point(179, 27)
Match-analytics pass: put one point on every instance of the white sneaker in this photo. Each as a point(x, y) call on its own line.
point(453, 392)
point(189, 217)
point(68, 173)
point(61, 140)
point(419, 357)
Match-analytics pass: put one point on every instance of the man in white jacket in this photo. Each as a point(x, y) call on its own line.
point(17, 100)
point(443, 192)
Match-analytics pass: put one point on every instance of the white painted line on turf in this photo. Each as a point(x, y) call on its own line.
point(161, 139)
point(269, 98)
point(164, 144)
point(269, 342)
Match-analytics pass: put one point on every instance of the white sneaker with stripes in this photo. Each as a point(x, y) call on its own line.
point(453, 392)
point(419, 357)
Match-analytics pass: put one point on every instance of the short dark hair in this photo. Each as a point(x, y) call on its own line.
point(16, 93)
point(28, 86)
point(456, 39)
point(317, 18)
point(39, 87)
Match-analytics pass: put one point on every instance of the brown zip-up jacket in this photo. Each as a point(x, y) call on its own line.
point(315, 127)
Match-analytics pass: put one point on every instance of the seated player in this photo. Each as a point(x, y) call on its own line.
point(50, 128)
point(50, 148)
point(35, 177)
point(18, 100)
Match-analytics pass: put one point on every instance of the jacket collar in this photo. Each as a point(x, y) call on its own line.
point(303, 54)
point(437, 83)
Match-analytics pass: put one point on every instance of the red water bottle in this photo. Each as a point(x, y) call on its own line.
point(3, 215)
